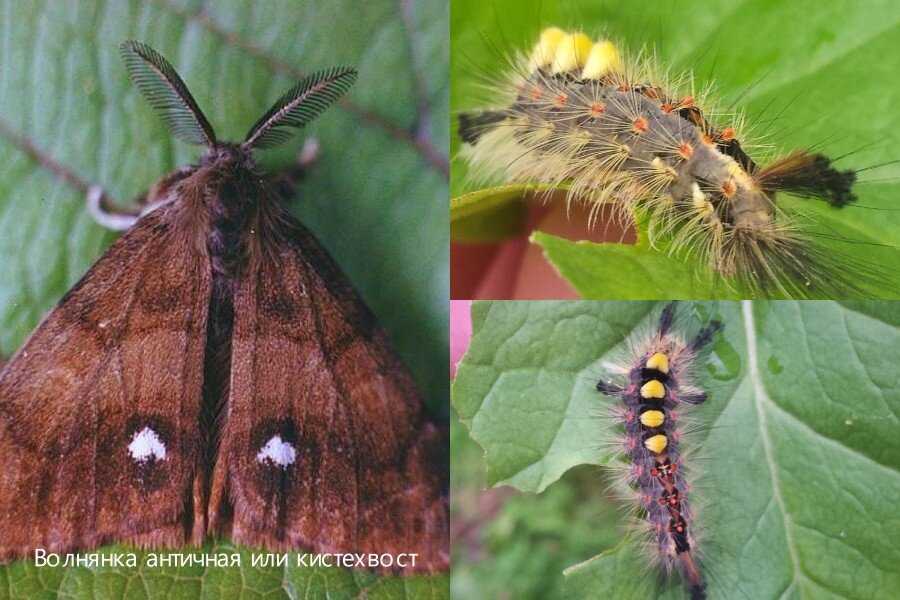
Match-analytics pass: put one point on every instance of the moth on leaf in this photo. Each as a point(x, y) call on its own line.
point(214, 373)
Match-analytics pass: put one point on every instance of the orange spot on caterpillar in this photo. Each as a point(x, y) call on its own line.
point(597, 109)
point(727, 134)
point(623, 88)
point(536, 92)
point(685, 150)
point(706, 139)
point(729, 188)
point(687, 101)
point(639, 125)
point(668, 107)
point(561, 99)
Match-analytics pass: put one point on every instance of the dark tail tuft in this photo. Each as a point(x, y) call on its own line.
point(473, 125)
point(809, 176)
point(666, 317)
point(698, 592)
point(705, 335)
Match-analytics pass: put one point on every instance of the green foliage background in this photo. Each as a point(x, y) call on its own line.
point(821, 66)
point(796, 449)
point(380, 184)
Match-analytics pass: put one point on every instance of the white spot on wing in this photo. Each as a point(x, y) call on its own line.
point(278, 452)
point(145, 445)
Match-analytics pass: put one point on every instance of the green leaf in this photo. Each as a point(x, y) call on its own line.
point(797, 452)
point(69, 117)
point(490, 215)
point(523, 390)
point(809, 74)
point(627, 270)
point(618, 573)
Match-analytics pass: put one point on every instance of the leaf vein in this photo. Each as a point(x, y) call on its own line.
point(760, 396)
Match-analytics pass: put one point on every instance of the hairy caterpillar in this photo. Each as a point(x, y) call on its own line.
point(655, 389)
point(581, 115)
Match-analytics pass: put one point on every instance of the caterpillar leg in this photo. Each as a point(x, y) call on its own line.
point(107, 215)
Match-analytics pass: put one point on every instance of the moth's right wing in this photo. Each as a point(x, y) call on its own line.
point(325, 445)
point(99, 409)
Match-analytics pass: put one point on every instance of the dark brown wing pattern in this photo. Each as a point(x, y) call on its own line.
point(325, 444)
point(99, 409)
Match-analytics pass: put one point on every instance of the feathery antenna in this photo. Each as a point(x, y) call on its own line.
point(167, 94)
point(300, 105)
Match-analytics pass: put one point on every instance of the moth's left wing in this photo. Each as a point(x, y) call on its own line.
point(100, 408)
point(325, 444)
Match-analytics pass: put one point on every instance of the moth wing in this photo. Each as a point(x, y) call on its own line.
point(326, 445)
point(99, 409)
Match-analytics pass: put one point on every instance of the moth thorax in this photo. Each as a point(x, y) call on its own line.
point(235, 200)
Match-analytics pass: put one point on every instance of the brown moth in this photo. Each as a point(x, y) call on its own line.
point(214, 373)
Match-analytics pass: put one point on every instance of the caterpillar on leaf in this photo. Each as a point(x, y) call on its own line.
point(581, 115)
point(655, 386)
